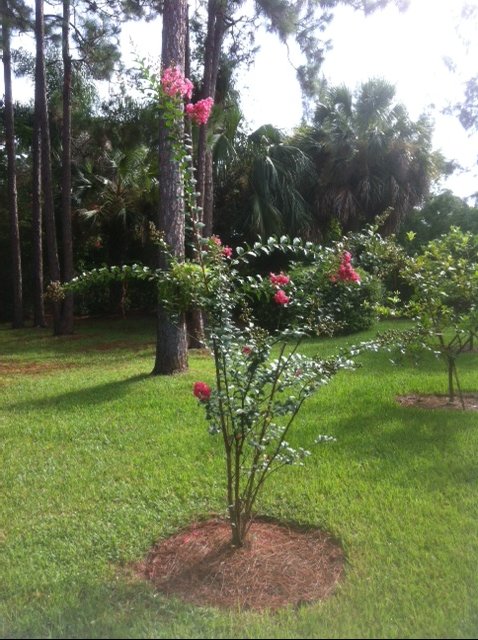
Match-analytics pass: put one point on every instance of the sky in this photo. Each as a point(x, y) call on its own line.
point(406, 48)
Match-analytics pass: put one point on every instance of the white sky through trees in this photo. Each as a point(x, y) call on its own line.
point(413, 50)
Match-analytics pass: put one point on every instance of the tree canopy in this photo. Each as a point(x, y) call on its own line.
point(369, 156)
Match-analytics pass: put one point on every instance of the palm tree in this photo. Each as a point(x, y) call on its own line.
point(260, 191)
point(122, 192)
point(369, 156)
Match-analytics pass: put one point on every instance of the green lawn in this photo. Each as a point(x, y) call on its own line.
point(99, 460)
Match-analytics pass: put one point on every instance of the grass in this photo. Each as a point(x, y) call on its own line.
point(99, 460)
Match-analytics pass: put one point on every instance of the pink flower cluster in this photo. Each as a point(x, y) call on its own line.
point(280, 297)
point(202, 391)
point(200, 111)
point(226, 250)
point(346, 272)
point(278, 280)
point(174, 83)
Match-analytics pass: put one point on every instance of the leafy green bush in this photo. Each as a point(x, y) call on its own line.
point(319, 300)
point(351, 305)
point(444, 304)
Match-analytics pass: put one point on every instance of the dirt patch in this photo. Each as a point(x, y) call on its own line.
point(47, 338)
point(31, 368)
point(278, 566)
point(120, 344)
point(439, 401)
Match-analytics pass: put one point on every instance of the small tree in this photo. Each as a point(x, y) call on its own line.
point(261, 379)
point(444, 304)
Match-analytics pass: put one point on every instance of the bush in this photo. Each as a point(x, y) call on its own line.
point(351, 305)
point(444, 304)
point(347, 304)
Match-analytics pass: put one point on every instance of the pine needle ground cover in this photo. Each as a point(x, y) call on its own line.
point(100, 460)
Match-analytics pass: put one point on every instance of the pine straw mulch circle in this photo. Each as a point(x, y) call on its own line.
point(279, 565)
point(439, 401)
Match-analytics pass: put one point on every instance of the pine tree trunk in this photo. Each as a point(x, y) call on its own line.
point(12, 179)
point(46, 171)
point(194, 318)
point(171, 342)
point(205, 184)
point(67, 235)
point(37, 227)
point(212, 52)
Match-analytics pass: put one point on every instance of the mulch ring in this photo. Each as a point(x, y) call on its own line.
point(439, 401)
point(279, 565)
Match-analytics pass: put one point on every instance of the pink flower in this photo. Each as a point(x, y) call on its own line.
point(348, 274)
point(344, 269)
point(202, 391)
point(174, 83)
point(280, 297)
point(279, 279)
point(200, 111)
point(227, 252)
point(246, 350)
point(345, 272)
point(216, 240)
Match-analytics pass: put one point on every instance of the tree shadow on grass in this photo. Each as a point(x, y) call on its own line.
point(95, 395)
point(404, 442)
point(124, 608)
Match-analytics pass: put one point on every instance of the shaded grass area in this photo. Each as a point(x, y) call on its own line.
point(100, 459)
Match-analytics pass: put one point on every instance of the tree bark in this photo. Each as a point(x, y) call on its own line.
point(46, 171)
point(171, 341)
point(67, 234)
point(17, 321)
point(212, 51)
point(451, 388)
point(37, 227)
point(205, 183)
point(194, 318)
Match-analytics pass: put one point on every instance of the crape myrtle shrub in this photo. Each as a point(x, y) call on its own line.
point(261, 379)
point(383, 258)
point(352, 307)
point(351, 302)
